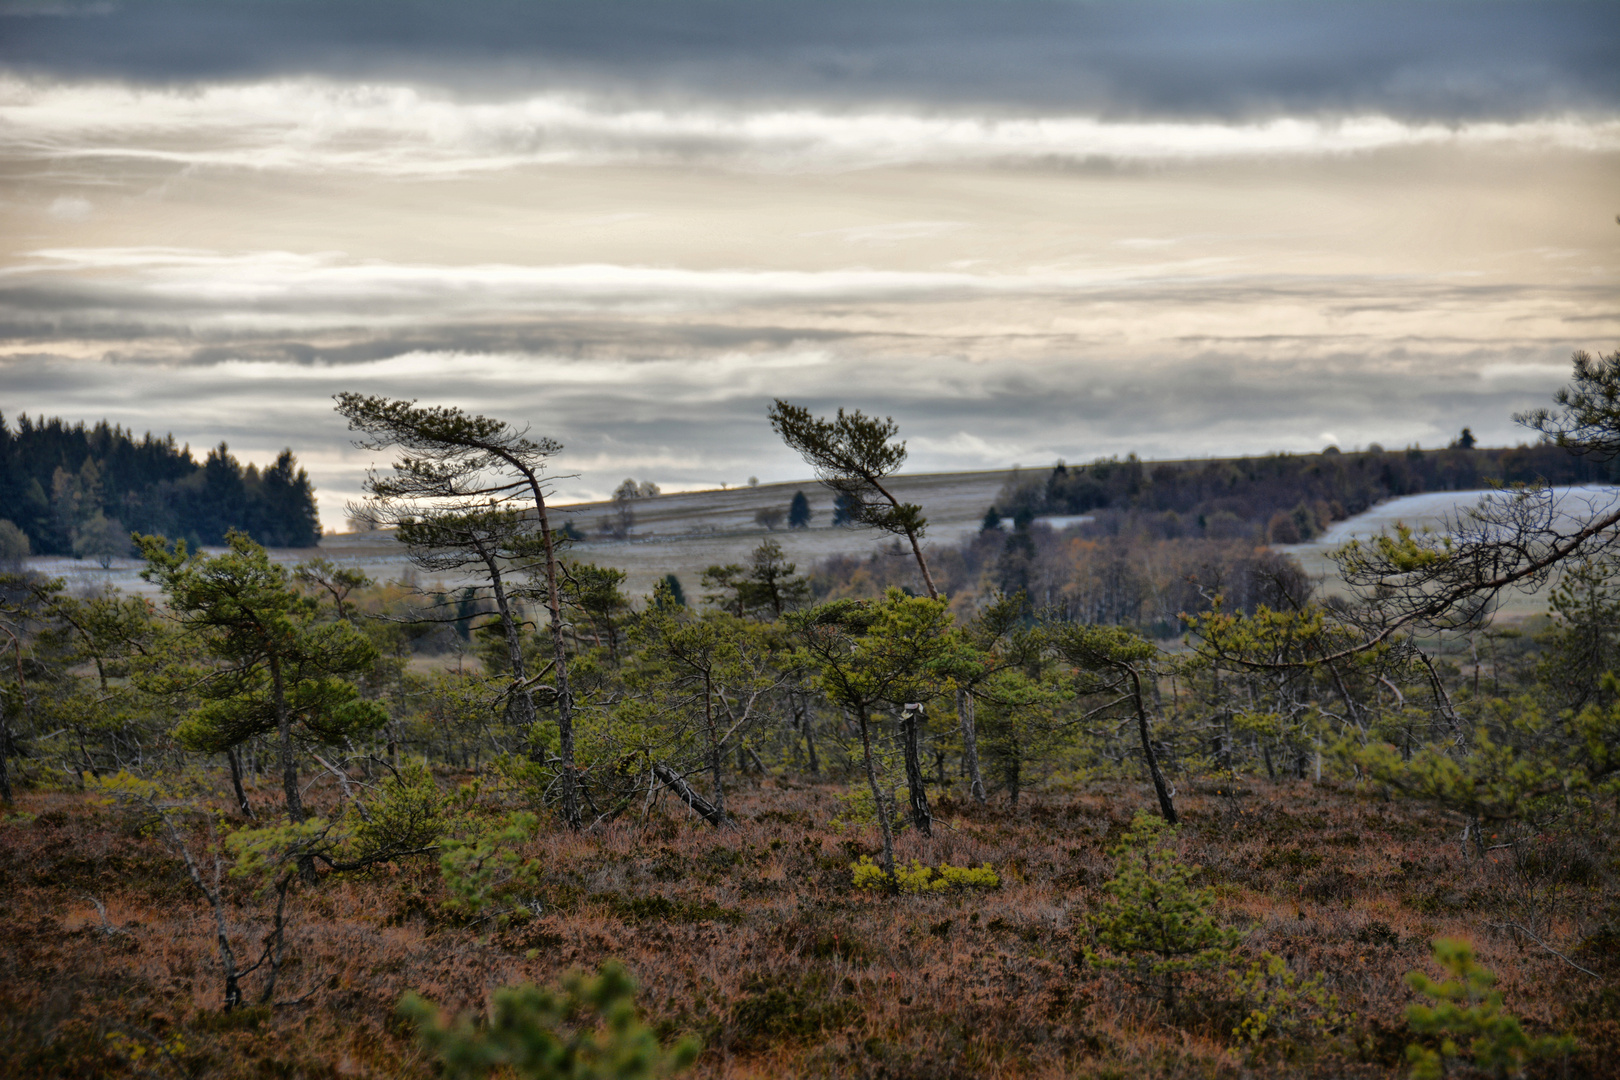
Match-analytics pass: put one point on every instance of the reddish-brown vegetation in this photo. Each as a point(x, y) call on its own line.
point(754, 939)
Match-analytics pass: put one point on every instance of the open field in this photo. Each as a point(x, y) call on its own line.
point(754, 939)
point(681, 533)
point(1435, 510)
point(686, 532)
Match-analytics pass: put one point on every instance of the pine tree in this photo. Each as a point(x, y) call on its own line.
point(272, 665)
point(1155, 925)
point(799, 511)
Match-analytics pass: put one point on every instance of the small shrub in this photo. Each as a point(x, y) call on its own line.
point(409, 814)
point(917, 878)
point(1157, 927)
point(1283, 1009)
point(486, 871)
point(1466, 1008)
point(529, 1033)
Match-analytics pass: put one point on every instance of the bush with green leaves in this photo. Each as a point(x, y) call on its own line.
point(485, 875)
point(408, 815)
point(1284, 1009)
point(1155, 926)
point(1467, 1021)
point(917, 878)
point(589, 1030)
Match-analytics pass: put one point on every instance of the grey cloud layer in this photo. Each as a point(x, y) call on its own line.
point(1441, 60)
point(699, 422)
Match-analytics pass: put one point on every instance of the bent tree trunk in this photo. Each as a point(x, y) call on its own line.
point(915, 784)
point(1167, 805)
point(677, 783)
point(522, 702)
point(559, 650)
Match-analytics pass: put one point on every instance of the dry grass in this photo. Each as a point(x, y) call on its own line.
point(754, 939)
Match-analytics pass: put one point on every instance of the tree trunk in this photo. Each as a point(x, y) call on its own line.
point(915, 784)
point(1167, 805)
point(970, 742)
point(802, 714)
point(715, 752)
point(289, 763)
point(236, 783)
point(559, 649)
point(522, 704)
point(677, 783)
point(5, 763)
point(877, 797)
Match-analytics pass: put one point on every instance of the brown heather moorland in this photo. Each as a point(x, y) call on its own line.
point(754, 939)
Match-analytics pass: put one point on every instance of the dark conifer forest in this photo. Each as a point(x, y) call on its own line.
point(1281, 498)
point(78, 490)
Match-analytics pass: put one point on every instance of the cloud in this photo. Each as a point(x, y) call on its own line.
point(400, 130)
point(69, 208)
point(1466, 59)
point(696, 420)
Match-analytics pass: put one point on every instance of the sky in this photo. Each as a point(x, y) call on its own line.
point(1026, 231)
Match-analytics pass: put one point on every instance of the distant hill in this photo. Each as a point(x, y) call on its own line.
point(77, 490)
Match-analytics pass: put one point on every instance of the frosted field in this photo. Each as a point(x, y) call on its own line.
point(680, 533)
point(1436, 510)
point(687, 532)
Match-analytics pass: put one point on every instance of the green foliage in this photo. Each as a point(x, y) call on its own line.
point(1517, 763)
point(588, 1031)
point(485, 875)
point(851, 454)
point(917, 878)
point(1155, 925)
point(409, 813)
point(1583, 643)
point(1467, 1010)
point(264, 855)
point(278, 664)
point(865, 653)
point(1284, 1010)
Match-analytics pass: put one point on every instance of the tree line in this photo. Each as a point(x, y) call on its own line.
point(1277, 498)
point(78, 490)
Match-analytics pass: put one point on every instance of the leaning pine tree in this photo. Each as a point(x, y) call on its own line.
point(854, 455)
point(454, 461)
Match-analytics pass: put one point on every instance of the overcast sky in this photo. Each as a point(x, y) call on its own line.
point(1025, 230)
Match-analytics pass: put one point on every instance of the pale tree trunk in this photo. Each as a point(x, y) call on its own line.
point(970, 742)
point(559, 648)
point(677, 783)
point(877, 795)
point(523, 701)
